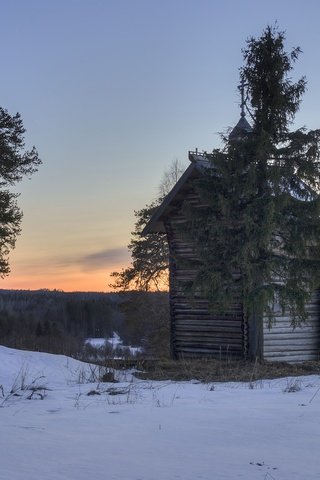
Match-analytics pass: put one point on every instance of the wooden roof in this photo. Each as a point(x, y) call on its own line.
point(199, 161)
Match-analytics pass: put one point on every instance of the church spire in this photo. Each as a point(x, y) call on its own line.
point(243, 127)
point(243, 102)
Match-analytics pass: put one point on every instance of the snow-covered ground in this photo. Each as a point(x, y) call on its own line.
point(114, 343)
point(138, 430)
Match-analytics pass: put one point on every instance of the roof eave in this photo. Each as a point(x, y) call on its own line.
point(156, 224)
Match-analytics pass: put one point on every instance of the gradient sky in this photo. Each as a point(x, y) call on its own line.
point(111, 92)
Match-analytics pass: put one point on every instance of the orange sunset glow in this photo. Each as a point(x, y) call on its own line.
point(97, 281)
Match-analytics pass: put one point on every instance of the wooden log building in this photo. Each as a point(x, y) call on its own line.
point(195, 332)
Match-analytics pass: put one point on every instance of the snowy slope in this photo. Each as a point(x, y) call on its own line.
point(138, 430)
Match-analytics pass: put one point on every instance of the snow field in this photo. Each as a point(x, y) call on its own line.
point(143, 430)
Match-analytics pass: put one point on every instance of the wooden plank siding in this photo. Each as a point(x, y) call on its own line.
point(283, 342)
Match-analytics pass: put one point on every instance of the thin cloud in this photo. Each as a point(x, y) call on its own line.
point(110, 258)
point(105, 259)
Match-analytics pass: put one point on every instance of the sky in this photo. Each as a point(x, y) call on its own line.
point(111, 92)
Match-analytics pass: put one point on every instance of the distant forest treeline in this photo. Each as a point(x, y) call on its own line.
point(59, 322)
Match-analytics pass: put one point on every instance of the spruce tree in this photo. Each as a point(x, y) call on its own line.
point(257, 235)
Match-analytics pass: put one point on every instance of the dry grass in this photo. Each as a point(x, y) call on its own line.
point(210, 370)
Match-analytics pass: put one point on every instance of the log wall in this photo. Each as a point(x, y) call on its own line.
point(195, 331)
